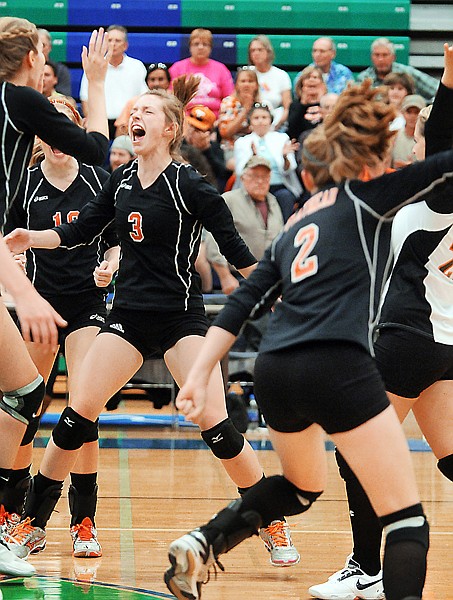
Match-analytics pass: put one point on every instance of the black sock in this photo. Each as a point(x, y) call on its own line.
point(406, 547)
point(84, 483)
point(366, 527)
point(4, 476)
point(17, 475)
point(41, 483)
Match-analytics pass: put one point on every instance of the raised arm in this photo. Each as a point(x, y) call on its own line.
point(95, 61)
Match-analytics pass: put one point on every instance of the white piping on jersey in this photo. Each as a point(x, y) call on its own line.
point(387, 217)
point(185, 284)
point(7, 170)
point(94, 173)
point(133, 168)
point(27, 202)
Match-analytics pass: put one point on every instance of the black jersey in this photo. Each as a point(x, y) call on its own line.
point(60, 272)
point(159, 229)
point(419, 294)
point(24, 113)
point(329, 265)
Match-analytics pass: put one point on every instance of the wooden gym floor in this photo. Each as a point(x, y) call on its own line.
point(155, 484)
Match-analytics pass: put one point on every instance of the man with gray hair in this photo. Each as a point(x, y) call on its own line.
point(62, 73)
point(336, 76)
point(383, 58)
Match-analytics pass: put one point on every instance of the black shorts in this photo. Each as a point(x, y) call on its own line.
point(87, 309)
point(333, 383)
point(153, 333)
point(409, 362)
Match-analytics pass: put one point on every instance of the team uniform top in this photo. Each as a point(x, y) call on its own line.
point(419, 294)
point(60, 272)
point(24, 113)
point(329, 266)
point(159, 229)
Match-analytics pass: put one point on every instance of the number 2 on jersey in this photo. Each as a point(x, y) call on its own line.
point(137, 233)
point(303, 265)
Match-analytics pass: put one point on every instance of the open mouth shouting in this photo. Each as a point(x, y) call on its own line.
point(137, 132)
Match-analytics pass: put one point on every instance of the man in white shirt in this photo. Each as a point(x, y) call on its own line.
point(125, 77)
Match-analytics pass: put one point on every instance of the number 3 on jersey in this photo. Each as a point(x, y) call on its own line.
point(137, 233)
point(303, 265)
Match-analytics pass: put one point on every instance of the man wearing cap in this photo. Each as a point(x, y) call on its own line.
point(256, 215)
point(383, 58)
point(200, 150)
point(402, 153)
point(121, 152)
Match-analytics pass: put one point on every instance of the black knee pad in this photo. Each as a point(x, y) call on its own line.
point(23, 404)
point(72, 430)
point(31, 431)
point(93, 434)
point(224, 440)
point(409, 524)
point(445, 466)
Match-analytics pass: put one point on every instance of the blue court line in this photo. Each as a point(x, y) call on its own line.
point(186, 444)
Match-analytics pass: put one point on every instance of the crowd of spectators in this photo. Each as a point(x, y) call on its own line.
point(261, 112)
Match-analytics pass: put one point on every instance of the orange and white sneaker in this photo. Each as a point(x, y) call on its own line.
point(277, 539)
point(84, 540)
point(7, 520)
point(26, 535)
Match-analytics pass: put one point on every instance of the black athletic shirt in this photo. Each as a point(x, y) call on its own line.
point(329, 266)
point(159, 229)
point(24, 113)
point(60, 272)
point(419, 294)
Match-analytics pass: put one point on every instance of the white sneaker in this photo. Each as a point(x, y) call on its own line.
point(277, 539)
point(10, 564)
point(191, 556)
point(350, 583)
point(84, 540)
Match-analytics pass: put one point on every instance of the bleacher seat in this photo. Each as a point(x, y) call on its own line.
point(147, 47)
point(390, 15)
point(50, 12)
point(295, 50)
point(143, 13)
point(224, 48)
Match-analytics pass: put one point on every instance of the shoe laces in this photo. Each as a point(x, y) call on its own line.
point(84, 530)
point(8, 520)
point(278, 531)
point(22, 531)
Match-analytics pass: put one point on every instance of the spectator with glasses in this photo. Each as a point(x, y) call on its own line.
point(157, 77)
point(235, 110)
point(278, 149)
point(275, 84)
point(336, 76)
point(216, 81)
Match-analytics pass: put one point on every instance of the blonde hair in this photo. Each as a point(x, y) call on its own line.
point(65, 107)
point(355, 134)
point(266, 43)
point(173, 106)
point(305, 74)
point(203, 34)
point(17, 38)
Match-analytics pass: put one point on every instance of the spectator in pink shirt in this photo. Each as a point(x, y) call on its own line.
point(216, 80)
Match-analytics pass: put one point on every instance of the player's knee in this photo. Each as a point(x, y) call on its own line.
point(224, 440)
point(445, 466)
point(23, 404)
point(73, 430)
